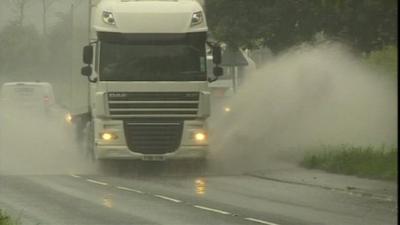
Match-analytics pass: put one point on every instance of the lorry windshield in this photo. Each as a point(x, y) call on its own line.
point(152, 60)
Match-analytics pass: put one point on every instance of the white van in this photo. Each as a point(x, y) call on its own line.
point(27, 97)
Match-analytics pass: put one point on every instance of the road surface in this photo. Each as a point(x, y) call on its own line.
point(85, 199)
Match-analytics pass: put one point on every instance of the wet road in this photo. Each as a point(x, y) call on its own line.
point(185, 199)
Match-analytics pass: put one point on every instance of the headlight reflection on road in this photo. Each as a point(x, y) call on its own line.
point(108, 201)
point(200, 186)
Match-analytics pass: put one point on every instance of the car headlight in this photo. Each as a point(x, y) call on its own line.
point(68, 118)
point(108, 18)
point(197, 18)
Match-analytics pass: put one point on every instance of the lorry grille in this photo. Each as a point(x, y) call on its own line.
point(153, 137)
point(182, 105)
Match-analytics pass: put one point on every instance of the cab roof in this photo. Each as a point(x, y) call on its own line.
point(149, 16)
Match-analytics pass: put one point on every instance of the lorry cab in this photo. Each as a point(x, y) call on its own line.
point(148, 96)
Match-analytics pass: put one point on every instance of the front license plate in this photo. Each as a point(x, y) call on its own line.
point(153, 158)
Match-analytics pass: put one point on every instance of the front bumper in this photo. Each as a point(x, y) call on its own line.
point(188, 148)
point(122, 152)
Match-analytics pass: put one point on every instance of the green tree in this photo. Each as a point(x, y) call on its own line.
point(21, 47)
point(58, 40)
point(18, 6)
point(238, 22)
point(385, 59)
point(366, 25)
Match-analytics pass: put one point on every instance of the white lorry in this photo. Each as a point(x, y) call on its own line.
point(147, 97)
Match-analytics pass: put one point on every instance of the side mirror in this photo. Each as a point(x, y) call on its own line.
point(218, 71)
point(88, 54)
point(217, 55)
point(86, 71)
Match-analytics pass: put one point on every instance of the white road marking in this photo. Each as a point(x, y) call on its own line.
point(212, 210)
point(388, 199)
point(97, 182)
point(168, 198)
point(75, 176)
point(260, 221)
point(130, 189)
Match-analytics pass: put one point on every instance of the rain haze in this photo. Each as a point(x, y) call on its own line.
point(198, 112)
point(311, 95)
point(34, 12)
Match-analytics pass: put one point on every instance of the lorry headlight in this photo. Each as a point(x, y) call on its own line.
point(197, 18)
point(108, 136)
point(108, 18)
point(200, 136)
point(227, 109)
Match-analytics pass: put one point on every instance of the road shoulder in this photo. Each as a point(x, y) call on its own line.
point(377, 189)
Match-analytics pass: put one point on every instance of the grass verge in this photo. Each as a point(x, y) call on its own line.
point(367, 162)
point(7, 220)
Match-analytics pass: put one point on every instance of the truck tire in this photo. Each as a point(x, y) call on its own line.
point(88, 142)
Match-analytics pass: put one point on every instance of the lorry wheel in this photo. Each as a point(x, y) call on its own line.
point(88, 140)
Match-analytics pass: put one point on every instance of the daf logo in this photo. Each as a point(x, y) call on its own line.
point(117, 95)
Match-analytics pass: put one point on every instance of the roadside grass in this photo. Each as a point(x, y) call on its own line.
point(367, 162)
point(385, 58)
point(7, 220)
